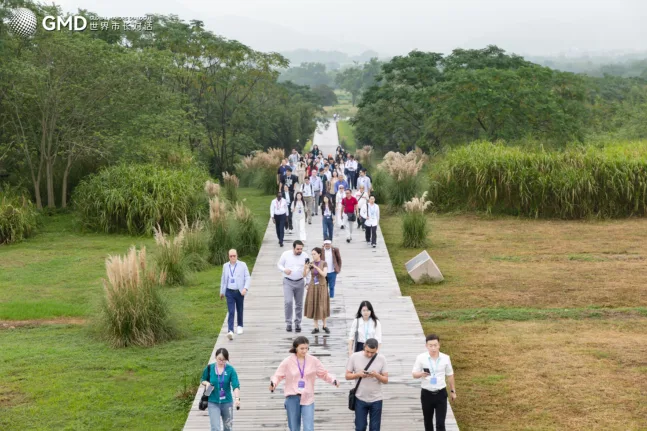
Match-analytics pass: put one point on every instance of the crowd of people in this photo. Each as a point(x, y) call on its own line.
point(340, 189)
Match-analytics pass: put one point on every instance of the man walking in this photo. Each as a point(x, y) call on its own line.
point(371, 215)
point(351, 166)
point(281, 171)
point(291, 265)
point(340, 183)
point(308, 196)
point(365, 181)
point(317, 185)
point(279, 213)
point(290, 180)
point(234, 284)
point(369, 367)
point(333, 261)
point(349, 208)
point(432, 367)
point(294, 157)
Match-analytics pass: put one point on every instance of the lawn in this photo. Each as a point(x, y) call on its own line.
point(344, 108)
point(544, 319)
point(346, 136)
point(57, 274)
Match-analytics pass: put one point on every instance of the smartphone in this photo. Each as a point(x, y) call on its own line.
point(426, 370)
point(307, 260)
point(366, 372)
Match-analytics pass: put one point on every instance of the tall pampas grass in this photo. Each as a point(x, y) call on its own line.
point(132, 311)
point(212, 189)
point(248, 234)
point(414, 222)
point(404, 172)
point(220, 236)
point(231, 183)
point(169, 255)
point(365, 157)
point(196, 245)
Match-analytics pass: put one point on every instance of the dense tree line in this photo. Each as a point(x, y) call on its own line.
point(431, 100)
point(71, 102)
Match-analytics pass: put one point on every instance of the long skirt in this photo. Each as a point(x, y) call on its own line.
point(317, 304)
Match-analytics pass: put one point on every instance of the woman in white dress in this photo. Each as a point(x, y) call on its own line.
point(366, 325)
point(341, 194)
point(299, 216)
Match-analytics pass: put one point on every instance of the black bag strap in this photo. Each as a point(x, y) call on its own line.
point(366, 369)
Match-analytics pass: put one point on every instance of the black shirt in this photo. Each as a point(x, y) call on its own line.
point(281, 171)
point(289, 181)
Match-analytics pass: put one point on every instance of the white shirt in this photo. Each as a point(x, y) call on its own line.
point(361, 202)
point(328, 175)
point(366, 330)
point(371, 213)
point(278, 208)
point(316, 183)
point(340, 196)
point(307, 190)
point(292, 262)
point(329, 260)
point(298, 206)
point(351, 165)
point(440, 367)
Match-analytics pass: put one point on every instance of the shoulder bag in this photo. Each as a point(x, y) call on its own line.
point(204, 401)
point(351, 395)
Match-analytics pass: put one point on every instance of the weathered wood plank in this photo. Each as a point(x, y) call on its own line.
point(367, 273)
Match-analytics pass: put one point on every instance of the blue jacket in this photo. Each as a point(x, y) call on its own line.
point(241, 275)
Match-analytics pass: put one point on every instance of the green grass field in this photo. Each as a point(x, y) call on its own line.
point(545, 319)
point(53, 279)
point(344, 108)
point(347, 136)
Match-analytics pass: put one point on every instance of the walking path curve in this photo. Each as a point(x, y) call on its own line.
point(367, 273)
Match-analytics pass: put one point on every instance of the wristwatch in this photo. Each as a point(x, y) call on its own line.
point(453, 391)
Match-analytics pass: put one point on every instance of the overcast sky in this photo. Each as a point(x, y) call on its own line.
point(392, 27)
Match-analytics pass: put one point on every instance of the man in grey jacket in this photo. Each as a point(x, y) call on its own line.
point(234, 284)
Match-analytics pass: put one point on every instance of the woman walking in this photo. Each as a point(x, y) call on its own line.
point(300, 370)
point(366, 325)
point(331, 184)
point(288, 200)
point(299, 216)
point(301, 170)
point(362, 200)
point(317, 305)
point(327, 217)
point(371, 213)
point(223, 378)
point(341, 194)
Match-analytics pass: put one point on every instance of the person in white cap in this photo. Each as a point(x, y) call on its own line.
point(333, 260)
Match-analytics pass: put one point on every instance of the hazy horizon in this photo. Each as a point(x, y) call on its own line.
point(538, 28)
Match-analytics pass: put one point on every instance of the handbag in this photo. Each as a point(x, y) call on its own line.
point(350, 216)
point(351, 395)
point(204, 401)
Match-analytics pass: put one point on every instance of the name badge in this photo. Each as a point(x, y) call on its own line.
point(222, 394)
point(433, 380)
point(299, 211)
point(301, 386)
point(232, 281)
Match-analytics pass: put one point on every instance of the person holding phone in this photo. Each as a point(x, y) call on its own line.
point(434, 369)
point(368, 396)
point(300, 370)
point(317, 306)
point(220, 378)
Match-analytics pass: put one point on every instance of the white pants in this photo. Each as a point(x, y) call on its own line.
point(349, 226)
point(299, 224)
point(339, 214)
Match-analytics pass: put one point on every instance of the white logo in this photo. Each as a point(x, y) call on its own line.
point(22, 22)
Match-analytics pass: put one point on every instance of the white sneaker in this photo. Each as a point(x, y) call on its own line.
point(230, 335)
point(240, 330)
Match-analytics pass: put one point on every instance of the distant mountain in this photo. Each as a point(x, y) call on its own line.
point(329, 58)
point(269, 37)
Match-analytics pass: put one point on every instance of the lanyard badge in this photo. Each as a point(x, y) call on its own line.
point(232, 279)
point(302, 384)
point(433, 380)
point(221, 382)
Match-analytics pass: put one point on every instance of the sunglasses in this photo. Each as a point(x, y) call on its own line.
point(232, 255)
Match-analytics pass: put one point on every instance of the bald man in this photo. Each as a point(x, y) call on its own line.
point(234, 285)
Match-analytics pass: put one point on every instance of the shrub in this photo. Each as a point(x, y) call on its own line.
point(231, 187)
point(365, 157)
point(576, 183)
point(248, 237)
point(196, 245)
point(170, 256)
point(380, 182)
point(260, 169)
point(18, 217)
point(414, 222)
point(404, 170)
point(133, 313)
point(136, 198)
point(220, 236)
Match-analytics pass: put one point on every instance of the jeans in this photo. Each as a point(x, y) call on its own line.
point(327, 228)
point(363, 411)
point(371, 234)
point(280, 226)
point(298, 413)
point(431, 403)
point(288, 221)
point(225, 410)
point(235, 301)
point(331, 278)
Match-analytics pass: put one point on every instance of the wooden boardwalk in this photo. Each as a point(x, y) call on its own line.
point(367, 273)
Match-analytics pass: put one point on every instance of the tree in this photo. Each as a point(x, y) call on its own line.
point(326, 95)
